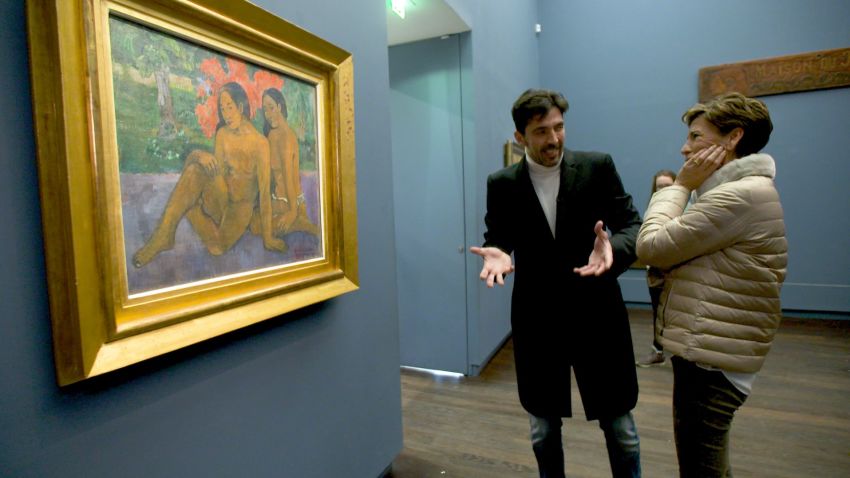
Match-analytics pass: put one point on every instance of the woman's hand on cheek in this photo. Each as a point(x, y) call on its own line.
point(700, 165)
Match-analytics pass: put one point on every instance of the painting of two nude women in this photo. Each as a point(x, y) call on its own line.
point(218, 164)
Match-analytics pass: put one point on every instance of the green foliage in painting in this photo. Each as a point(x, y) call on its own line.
point(301, 106)
point(140, 149)
point(166, 98)
point(151, 51)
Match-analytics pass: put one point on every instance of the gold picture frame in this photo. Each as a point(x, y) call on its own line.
point(158, 139)
point(514, 152)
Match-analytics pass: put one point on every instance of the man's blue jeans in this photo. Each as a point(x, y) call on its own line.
point(621, 438)
point(704, 403)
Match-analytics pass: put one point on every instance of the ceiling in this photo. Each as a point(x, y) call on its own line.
point(423, 19)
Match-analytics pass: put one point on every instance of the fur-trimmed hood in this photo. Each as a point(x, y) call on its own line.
point(752, 165)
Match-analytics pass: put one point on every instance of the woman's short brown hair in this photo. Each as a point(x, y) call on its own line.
point(734, 110)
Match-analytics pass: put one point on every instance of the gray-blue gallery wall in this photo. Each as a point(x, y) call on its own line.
point(630, 69)
point(427, 138)
point(504, 64)
point(315, 393)
point(498, 60)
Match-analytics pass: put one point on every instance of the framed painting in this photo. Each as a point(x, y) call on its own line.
point(196, 168)
point(514, 152)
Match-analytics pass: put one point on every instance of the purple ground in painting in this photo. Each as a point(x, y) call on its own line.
point(143, 198)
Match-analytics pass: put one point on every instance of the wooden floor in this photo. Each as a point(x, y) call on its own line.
point(795, 424)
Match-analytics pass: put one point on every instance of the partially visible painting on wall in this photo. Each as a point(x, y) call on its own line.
point(209, 183)
point(777, 75)
point(514, 152)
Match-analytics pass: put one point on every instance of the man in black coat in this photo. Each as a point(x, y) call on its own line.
point(551, 210)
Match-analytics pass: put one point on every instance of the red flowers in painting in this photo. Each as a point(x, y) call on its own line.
point(215, 76)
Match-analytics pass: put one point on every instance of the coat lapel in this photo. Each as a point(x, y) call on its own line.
point(568, 175)
point(529, 197)
point(565, 193)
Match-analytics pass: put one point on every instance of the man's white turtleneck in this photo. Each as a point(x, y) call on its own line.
point(547, 182)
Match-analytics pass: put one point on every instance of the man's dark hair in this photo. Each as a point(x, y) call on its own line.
point(533, 103)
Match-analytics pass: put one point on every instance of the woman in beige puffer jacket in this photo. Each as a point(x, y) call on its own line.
point(724, 260)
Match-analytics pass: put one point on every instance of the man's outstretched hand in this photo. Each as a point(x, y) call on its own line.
point(497, 264)
point(601, 258)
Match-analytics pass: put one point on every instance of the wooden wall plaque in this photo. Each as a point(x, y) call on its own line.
point(783, 74)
